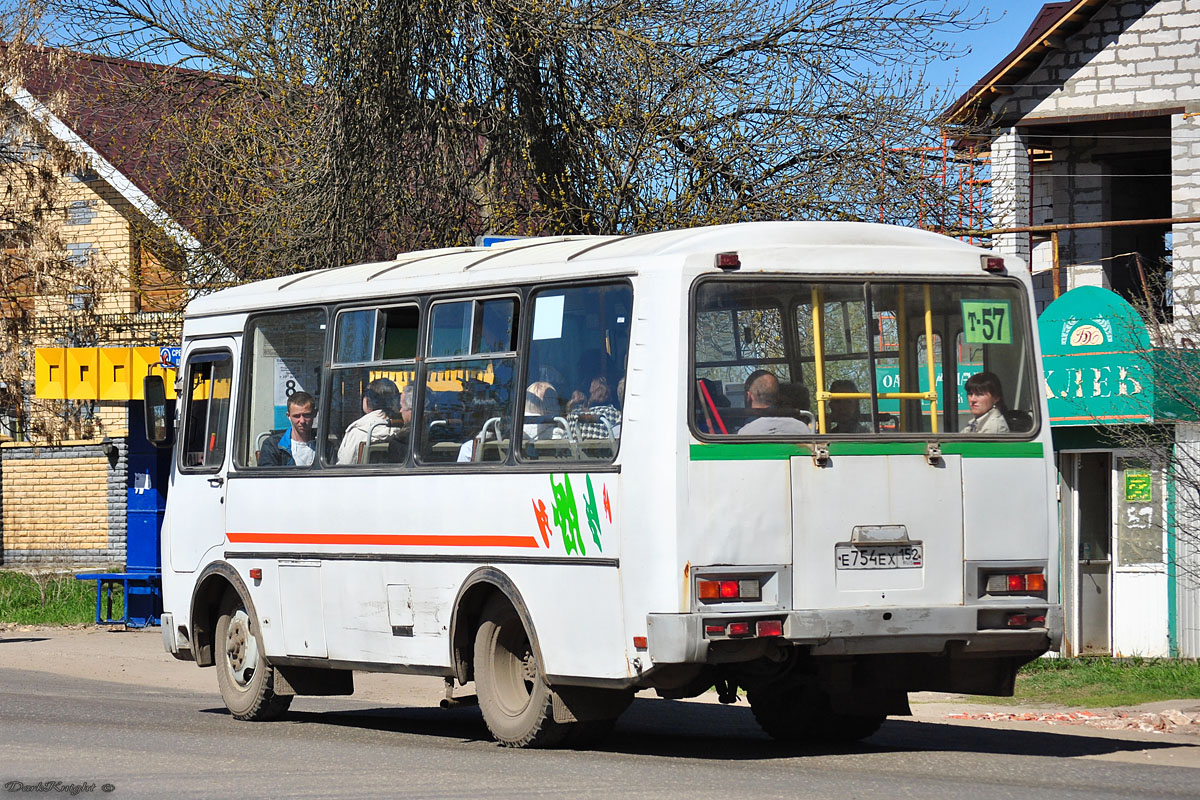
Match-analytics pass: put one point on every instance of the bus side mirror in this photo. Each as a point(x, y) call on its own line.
point(158, 429)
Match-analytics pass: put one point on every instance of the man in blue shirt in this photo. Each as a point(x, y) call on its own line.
point(297, 445)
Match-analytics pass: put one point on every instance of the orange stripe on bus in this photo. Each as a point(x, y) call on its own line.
point(417, 539)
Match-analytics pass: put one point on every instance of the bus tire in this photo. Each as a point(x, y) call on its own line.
point(515, 700)
point(801, 715)
point(244, 675)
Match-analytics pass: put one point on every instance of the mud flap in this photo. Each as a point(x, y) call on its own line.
point(582, 703)
point(313, 681)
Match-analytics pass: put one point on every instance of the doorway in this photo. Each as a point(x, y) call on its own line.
point(1089, 478)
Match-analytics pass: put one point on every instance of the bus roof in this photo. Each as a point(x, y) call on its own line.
point(543, 258)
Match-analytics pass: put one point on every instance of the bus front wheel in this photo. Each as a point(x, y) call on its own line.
point(245, 677)
point(513, 695)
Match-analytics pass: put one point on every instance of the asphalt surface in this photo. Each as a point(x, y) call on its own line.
point(143, 725)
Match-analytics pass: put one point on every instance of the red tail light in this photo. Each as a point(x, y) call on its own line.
point(770, 627)
point(739, 629)
point(1016, 583)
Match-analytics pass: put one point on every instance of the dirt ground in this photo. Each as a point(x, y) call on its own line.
point(137, 657)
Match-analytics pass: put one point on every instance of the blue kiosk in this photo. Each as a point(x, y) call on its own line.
point(149, 470)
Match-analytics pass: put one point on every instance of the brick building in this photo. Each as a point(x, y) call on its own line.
point(1093, 127)
point(81, 123)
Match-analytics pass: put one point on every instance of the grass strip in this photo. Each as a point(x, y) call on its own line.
point(50, 599)
point(1104, 682)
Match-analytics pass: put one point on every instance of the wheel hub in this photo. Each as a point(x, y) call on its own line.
point(241, 648)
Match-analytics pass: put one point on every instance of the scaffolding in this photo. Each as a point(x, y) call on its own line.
point(954, 180)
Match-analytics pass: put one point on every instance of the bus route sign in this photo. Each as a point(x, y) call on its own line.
point(987, 321)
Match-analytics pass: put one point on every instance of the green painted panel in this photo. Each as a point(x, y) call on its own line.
point(758, 451)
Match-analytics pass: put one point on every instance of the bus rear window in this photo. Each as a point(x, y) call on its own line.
point(795, 359)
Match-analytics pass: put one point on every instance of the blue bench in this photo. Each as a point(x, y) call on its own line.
point(142, 597)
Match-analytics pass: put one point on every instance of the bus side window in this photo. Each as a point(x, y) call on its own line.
point(284, 352)
point(206, 414)
point(575, 397)
point(466, 416)
point(372, 387)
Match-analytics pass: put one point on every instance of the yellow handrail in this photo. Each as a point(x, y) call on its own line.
point(933, 405)
point(818, 312)
point(902, 332)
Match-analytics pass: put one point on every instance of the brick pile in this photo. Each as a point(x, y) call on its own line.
point(1169, 721)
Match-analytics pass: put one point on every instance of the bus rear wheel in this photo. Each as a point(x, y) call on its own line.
point(513, 695)
point(801, 714)
point(244, 675)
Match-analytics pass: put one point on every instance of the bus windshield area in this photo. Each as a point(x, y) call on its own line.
point(860, 358)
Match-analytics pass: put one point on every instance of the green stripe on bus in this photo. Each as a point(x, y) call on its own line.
point(771, 451)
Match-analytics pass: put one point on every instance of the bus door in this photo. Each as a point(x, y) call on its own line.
point(877, 530)
point(201, 466)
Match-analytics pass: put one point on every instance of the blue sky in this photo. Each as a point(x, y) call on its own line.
point(987, 45)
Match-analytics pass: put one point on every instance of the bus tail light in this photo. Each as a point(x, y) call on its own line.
point(770, 627)
point(744, 628)
point(1024, 583)
point(729, 589)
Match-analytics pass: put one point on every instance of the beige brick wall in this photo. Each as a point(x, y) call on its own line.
point(56, 503)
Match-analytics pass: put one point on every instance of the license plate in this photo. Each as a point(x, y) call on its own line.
point(893, 556)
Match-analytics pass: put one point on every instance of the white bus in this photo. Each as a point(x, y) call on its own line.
point(740, 456)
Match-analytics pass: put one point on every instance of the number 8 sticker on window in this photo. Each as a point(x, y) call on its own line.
point(987, 321)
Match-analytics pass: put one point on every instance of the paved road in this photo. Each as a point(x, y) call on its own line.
point(146, 740)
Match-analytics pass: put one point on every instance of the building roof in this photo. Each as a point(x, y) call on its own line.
point(109, 110)
point(1054, 22)
point(831, 247)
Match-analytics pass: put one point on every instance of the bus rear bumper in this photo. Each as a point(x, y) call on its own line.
point(688, 638)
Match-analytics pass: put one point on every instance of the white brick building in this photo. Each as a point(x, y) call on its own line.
point(1094, 118)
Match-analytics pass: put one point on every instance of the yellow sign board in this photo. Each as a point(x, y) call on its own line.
point(98, 373)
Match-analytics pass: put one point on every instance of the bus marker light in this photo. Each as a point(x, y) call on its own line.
point(728, 261)
point(739, 629)
point(639, 643)
point(770, 627)
point(992, 263)
point(708, 590)
point(256, 574)
point(729, 590)
point(714, 630)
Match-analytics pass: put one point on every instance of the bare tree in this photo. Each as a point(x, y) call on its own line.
point(326, 133)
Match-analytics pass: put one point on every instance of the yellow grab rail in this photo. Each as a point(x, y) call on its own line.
point(819, 354)
point(933, 404)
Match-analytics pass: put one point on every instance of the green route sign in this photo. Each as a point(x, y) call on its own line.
point(987, 321)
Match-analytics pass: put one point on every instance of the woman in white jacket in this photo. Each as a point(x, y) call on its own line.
point(985, 398)
point(383, 415)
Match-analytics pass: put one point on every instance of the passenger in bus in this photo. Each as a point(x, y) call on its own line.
point(296, 445)
point(844, 413)
point(596, 417)
point(985, 399)
point(383, 418)
point(762, 393)
point(541, 407)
